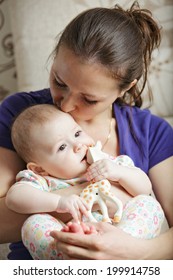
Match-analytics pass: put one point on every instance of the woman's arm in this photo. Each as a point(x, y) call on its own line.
point(161, 177)
point(11, 222)
point(10, 165)
point(132, 179)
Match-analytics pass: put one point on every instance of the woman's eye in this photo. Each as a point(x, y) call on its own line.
point(62, 147)
point(77, 134)
point(90, 102)
point(59, 85)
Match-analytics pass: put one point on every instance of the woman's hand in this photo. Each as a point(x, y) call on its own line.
point(109, 243)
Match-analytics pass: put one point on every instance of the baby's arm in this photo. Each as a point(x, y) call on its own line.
point(26, 199)
point(132, 179)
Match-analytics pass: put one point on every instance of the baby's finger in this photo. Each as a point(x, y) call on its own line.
point(74, 211)
point(92, 174)
point(83, 209)
point(84, 204)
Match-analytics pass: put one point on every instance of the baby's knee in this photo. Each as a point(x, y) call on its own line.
point(36, 235)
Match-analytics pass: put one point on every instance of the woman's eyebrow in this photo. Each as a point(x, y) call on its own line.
point(88, 95)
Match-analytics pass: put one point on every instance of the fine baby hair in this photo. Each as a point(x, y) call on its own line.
point(22, 131)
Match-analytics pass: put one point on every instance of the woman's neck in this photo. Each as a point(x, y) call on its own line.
point(99, 118)
point(103, 128)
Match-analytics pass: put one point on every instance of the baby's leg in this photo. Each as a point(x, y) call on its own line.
point(142, 217)
point(36, 238)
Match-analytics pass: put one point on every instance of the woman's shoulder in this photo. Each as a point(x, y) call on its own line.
point(152, 134)
point(21, 100)
point(152, 122)
point(140, 116)
point(13, 105)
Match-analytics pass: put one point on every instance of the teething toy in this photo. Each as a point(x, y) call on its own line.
point(99, 192)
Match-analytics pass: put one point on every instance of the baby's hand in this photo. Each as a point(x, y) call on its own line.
point(74, 205)
point(103, 169)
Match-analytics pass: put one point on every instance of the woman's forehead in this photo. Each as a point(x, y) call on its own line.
point(87, 78)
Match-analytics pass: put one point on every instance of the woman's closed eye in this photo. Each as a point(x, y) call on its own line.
point(59, 84)
point(89, 102)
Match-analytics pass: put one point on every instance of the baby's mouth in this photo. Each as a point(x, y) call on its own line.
point(84, 158)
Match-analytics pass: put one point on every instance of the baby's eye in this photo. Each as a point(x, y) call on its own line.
point(62, 147)
point(78, 133)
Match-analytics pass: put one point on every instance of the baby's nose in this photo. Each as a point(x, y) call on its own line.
point(78, 147)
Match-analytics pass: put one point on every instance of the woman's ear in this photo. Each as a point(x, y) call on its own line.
point(133, 83)
point(36, 169)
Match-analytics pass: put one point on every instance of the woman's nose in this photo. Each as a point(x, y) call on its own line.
point(67, 104)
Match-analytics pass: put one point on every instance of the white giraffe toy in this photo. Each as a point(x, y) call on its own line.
point(99, 192)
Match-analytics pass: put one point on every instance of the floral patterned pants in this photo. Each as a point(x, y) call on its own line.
point(142, 218)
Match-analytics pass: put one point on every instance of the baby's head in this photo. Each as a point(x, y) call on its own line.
point(50, 142)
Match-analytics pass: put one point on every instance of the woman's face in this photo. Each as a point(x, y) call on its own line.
point(82, 89)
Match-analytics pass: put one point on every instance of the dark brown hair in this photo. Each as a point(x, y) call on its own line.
point(120, 40)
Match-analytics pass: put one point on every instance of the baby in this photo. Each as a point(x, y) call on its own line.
point(54, 148)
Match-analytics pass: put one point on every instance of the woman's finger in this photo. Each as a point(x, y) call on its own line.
point(82, 240)
point(74, 252)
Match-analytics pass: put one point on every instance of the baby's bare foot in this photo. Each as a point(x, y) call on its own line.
point(79, 228)
point(73, 227)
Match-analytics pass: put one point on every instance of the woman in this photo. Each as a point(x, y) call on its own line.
point(98, 61)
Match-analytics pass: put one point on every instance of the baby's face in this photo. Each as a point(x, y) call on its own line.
point(61, 147)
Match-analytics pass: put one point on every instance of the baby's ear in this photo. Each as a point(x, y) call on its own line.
point(36, 169)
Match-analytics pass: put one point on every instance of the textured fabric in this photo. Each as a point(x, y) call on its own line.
point(12, 106)
point(145, 138)
point(148, 142)
point(46, 183)
point(36, 236)
point(18, 252)
point(142, 218)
